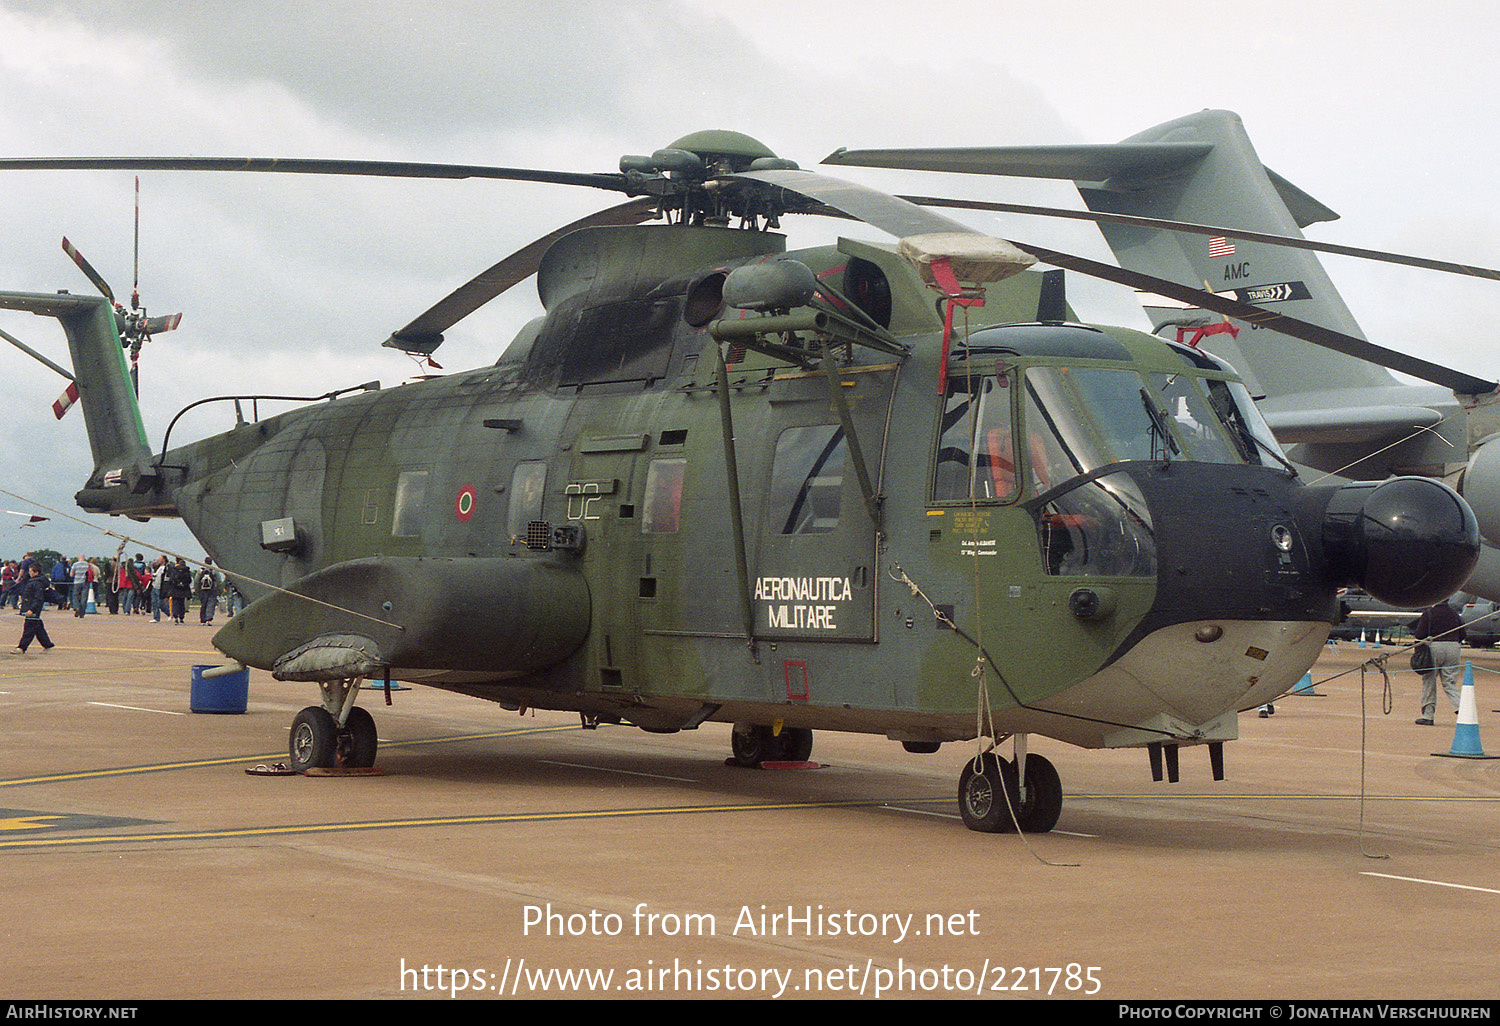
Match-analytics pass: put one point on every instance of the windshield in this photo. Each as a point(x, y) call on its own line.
point(1076, 420)
point(1084, 418)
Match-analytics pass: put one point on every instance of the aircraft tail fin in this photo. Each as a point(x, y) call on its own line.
point(1229, 186)
point(112, 417)
point(1200, 169)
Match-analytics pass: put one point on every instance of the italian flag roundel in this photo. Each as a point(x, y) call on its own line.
point(463, 506)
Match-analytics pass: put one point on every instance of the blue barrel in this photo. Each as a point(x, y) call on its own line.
point(229, 693)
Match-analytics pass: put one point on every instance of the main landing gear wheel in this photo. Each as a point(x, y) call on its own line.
point(314, 740)
point(357, 741)
point(317, 742)
point(757, 744)
point(984, 808)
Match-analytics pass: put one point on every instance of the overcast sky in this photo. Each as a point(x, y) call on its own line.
point(288, 284)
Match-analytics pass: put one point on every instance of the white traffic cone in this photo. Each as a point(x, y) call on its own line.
point(1466, 734)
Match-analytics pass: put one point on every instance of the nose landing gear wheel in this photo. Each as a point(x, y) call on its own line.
point(980, 801)
point(983, 806)
point(1038, 813)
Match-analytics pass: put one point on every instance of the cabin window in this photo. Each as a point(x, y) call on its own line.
point(528, 482)
point(411, 500)
point(663, 506)
point(866, 285)
point(807, 479)
point(976, 456)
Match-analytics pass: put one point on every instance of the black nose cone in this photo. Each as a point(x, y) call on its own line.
point(1409, 541)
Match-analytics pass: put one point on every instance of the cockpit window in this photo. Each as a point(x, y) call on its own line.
point(1247, 428)
point(1083, 419)
point(1102, 528)
point(1183, 399)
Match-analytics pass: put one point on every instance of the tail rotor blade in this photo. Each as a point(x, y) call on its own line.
point(157, 325)
point(135, 287)
point(88, 269)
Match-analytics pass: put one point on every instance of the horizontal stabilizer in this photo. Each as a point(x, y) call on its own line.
point(1075, 163)
point(1350, 423)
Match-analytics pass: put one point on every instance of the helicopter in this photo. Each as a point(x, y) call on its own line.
point(1337, 410)
point(894, 489)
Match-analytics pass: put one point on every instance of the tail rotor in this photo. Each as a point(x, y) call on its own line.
point(136, 327)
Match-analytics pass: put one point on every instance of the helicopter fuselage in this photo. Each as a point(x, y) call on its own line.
point(1060, 529)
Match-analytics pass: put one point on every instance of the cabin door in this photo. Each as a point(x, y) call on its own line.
point(813, 574)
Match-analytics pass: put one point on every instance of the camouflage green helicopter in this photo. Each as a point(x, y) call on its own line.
point(888, 489)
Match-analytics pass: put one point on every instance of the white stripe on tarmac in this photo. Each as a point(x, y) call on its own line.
point(1434, 883)
point(136, 708)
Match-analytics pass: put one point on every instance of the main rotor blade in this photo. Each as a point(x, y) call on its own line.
point(1087, 163)
point(88, 269)
point(425, 334)
point(23, 347)
point(1189, 227)
point(1339, 342)
point(892, 214)
point(896, 215)
point(302, 166)
point(135, 287)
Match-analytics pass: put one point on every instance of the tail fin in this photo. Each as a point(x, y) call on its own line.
point(1229, 186)
point(1199, 169)
point(117, 436)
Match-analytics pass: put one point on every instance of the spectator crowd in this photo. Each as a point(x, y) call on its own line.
point(124, 586)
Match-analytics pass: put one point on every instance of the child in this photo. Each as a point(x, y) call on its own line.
point(35, 592)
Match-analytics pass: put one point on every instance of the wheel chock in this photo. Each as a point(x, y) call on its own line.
point(343, 771)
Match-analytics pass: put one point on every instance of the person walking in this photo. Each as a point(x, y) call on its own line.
point(82, 569)
point(158, 575)
point(61, 581)
point(125, 587)
point(1441, 629)
point(35, 593)
point(140, 581)
point(208, 592)
point(177, 585)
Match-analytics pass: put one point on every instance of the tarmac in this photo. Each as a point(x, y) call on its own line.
point(499, 856)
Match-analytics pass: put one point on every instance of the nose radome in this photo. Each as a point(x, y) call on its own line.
point(1409, 541)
